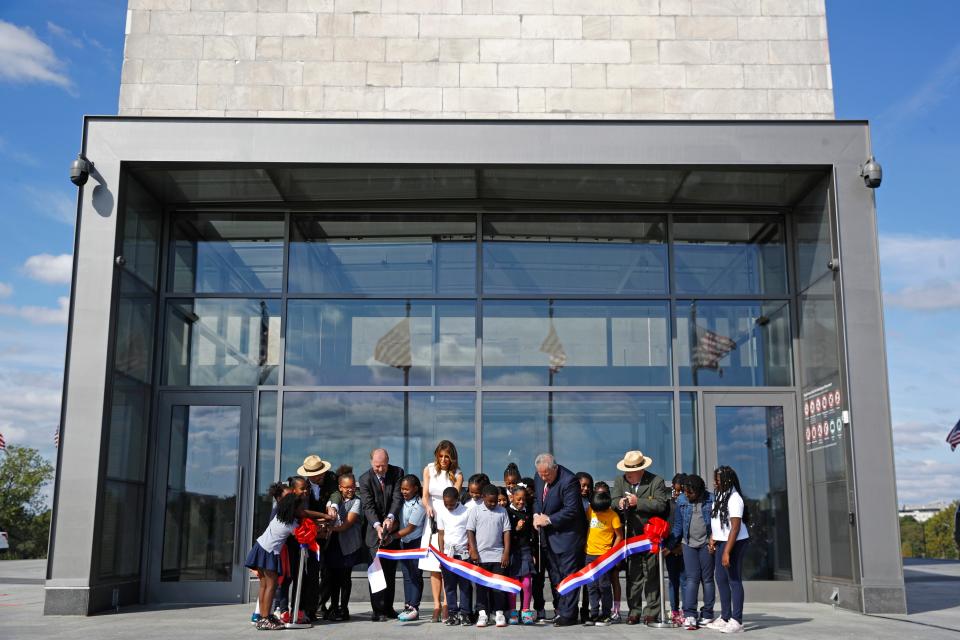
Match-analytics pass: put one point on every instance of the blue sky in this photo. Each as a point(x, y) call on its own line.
point(897, 67)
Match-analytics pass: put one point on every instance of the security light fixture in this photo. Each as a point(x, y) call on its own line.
point(872, 173)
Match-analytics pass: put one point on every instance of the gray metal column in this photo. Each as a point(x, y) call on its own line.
point(72, 549)
point(871, 435)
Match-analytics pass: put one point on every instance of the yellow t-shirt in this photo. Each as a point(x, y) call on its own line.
point(602, 531)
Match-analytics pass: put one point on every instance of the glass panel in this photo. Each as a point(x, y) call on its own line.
point(689, 434)
point(576, 343)
point(750, 439)
point(201, 498)
point(136, 308)
point(349, 425)
point(226, 252)
point(592, 254)
point(734, 343)
point(729, 255)
point(222, 342)
point(814, 248)
point(831, 530)
point(383, 254)
point(587, 431)
point(266, 458)
point(129, 417)
point(121, 529)
point(382, 342)
point(140, 248)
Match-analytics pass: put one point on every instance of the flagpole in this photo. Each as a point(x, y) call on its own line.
point(693, 341)
point(406, 400)
point(550, 372)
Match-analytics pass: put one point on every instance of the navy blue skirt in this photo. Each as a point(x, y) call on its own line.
point(260, 558)
point(521, 562)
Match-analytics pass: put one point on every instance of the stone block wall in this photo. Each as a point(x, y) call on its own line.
point(555, 59)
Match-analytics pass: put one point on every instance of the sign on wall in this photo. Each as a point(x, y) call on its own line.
point(822, 417)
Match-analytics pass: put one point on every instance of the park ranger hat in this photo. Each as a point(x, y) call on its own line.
point(313, 465)
point(634, 461)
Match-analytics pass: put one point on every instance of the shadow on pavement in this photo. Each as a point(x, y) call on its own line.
point(763, 621)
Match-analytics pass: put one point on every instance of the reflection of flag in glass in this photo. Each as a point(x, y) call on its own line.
point(710, 349)
point(3, 443)
point(56, 438)
point(554, 349)
point(393, 349)
point(954, 436)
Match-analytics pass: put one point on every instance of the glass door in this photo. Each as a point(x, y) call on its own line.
point(756, 435)
point(200, 498)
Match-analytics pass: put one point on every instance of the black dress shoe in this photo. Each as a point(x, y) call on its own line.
point(376, 617)
point(564, 622)
point(390, 614)
point(633, 619)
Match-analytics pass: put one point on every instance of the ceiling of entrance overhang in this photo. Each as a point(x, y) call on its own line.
point(762, 187)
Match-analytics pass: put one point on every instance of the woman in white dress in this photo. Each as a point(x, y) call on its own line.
point(443, 472)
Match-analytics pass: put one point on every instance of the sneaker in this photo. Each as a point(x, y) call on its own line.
point(590, 621)
point(499, 619)
point(528, 616)
point(603, 621)
point(704, 620)
point(732, 627)
point(465, 620)
point(408, 614)
point(548, 619)
point(615, 618)
point(541, 614)
point(482, 619)
point(452, 620)
point(676, 617)
point(690, 623)
point(717, 624)
point(283, 617)
point(514, 617)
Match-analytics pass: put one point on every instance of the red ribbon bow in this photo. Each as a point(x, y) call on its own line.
point(306, 535)
point(655, 531)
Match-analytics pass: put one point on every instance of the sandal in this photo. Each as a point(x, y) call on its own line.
point(269, 623)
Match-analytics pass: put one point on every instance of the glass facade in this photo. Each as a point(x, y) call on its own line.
point(507, 332)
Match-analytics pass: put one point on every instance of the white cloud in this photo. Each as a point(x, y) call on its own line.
point(64, 34)
point(25, 58)
point(40, 315)
point(924, 481)
point(51, 269)
point(921, 273)
point(912, 436)
point(17, 156)
point(935, 87)
point(56, 205)
point(5, 290)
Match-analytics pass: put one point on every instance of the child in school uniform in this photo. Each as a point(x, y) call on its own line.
point(412, 518)
point(521, 554)
point(488, 534)
point(605, 532)
point(452, 538)
point(264, 556)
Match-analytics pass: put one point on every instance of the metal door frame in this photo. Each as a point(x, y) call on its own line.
point(207, 592)
point(794, 590)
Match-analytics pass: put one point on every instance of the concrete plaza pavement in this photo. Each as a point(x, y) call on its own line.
point(933, 589)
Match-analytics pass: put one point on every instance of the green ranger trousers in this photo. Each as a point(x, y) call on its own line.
point(643, 585)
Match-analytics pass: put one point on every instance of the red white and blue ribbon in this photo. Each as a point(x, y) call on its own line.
point(476, 574)
point(603, 564)
point(403, 554)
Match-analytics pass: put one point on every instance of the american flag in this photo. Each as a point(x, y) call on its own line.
point(393, 348)
point(954, 436)
point(710, 349)
point(554, 349)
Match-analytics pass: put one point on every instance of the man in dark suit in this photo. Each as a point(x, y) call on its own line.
point(559, 517)
point(381, 502)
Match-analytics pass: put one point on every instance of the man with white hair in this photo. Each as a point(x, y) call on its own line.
point(559, 517)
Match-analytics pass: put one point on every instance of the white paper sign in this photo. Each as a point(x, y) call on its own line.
point(375, 575)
